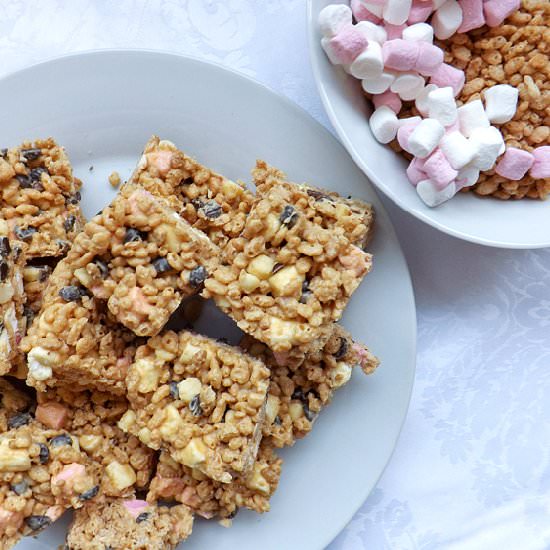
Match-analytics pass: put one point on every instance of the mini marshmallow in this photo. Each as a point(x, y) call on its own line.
point(394, 31)
point(369, 63)
point(383, 124)
point(396, 12)
point(472, 15)
point(415, 172)
point(425, 138)
point(496, 11)
point(361, 13)
point(467, 177)
point(374, 7)
point(420, 11)
point(458, 150)
point(379, 84)
point(439, 170)
point(472, 116)
point(400, 55)
point(329, 50)
point(419, 32)
point(408, 86)
point(409, 120)
point(404, 133)
point(432, 196)
point(348, 44)
point(429, 60)
point(487, 143)
point(333, 19)
point(447, 19)
point(421, 102)
point(389, 99)
point(541, 166)
point(514, 164)
point(372, 32)
point(442, 106)
point(447, 75)
point(501, 103)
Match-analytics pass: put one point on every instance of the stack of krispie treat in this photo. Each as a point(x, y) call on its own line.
point(136, 426)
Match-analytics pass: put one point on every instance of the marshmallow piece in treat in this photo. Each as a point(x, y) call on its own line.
point(415, 173)
point(447, 19)
point(397, 12)
point(541, 166)
point(501, 103)
point(348, 44)
point(458, 150)
point(333, 19)
point(374, 6)
point(404, 133)
point(442, 106)
point(467, 177)
point(421, 101)
point(419, 32)
point(439, 170)
point(383, 124)
point(400, 55)
point(408, 86)
point(372, 32)
point(361, 13)
point(379, 84)
point(369, 63)
point(432, 196)
point(425, 138)
point(420, 11)
point(447, 75)
point(496, 11)
point(429, 60)
point(514, 164)
point(389, 99)
point(488, 143)
point(329, 50)
point(472, 116)
point(472, 15)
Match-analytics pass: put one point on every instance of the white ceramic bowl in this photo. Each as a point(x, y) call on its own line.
point(492, 222)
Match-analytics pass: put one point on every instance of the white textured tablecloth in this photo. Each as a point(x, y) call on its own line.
point(472, 467)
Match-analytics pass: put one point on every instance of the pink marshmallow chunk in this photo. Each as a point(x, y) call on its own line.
point(135, 507)
point(162, 160)
point(420, 11)
point(404, 133)
point(415, 171)
point(348, 44)
point(514, 164)
point(541, 166)
point(361, 13)
point(400, 55)
point(496, 11)
point(68, 474)
point(447, 75)
point(439, 170)
point(429, 60)
point(394, 31)
point(472, 15)
point(389, 99)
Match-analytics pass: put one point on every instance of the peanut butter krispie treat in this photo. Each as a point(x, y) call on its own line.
point(209, 498)
point(291, 272)
point(13, 401)
point(355, 216)
point(39, 197)
point(208, 201)
point(129, 524)
point(201, 400)
point(143, 259)
point(298, 392)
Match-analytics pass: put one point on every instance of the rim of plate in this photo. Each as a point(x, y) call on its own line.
point(357, 158)
point(311, 121)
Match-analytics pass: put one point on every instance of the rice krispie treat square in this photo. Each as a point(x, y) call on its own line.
point(291, 272)
point(209, 498)
point(39, 197)
point(201, 400)
point(299, 390)
point(129, 524)
point(143, 259)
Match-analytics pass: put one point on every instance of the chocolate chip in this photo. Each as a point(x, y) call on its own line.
point(277, 267)
point(144, 516)
point(299, 394)
point(289, 216)
point(4, 270)
point(310, 415)
point(74, 199)
point(318, 195)
point(102, 266)
point(211, 209)
point(18, 420)
point(195, 406)
point(89, 494)
point(5, 247)
point(68, 224)
point(64, 246)
point(35, 523)
point(20, 488)
point(61, 440)
point(71, 293)
point(198, 276)
point(161, 265)
point(197, 203)
point(44, 455)
point(36, 174)
point(278, 421)
point(343, 349)
point(174, 391)
point(31, 154)
point(24, 234)
point(306, 293)
point(25, 181)
point(132, 235)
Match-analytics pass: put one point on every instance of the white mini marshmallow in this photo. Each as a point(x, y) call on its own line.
point(472, 116)
point(333, 18)
point(379, 84)
point(372, 32)
point(487, 143)
point(447, 19)
point(421, 101)
point(426, 138)
point(409, 120)
point(329, 50)
point(374, 7)
point(383, 123)
point(442, 105)
point(408, 86)
point(369, 63)
point(432, 196)
point(396, 12)
point(457, 149)
point(501, 103)
point(419, 32)
point(467, 177)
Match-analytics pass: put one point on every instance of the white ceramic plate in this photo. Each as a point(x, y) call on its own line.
point(104, 106)
point(492, 222)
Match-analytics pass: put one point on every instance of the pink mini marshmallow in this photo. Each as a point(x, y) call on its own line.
point(52, 414)
point(361, 13)
point(420, 11)
point(496, 11)
point(429, 60)
point(472, 15)
point(68, 474)
point(439, 170)
point(404, 133)
point(415, 171)
point(388, 98)
point(400, 55)
point(135, 507)
point(162, 160)
point(514, 164)
point(447, 75)
point(394, 31)
point(348, 44)
point(541, 166)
